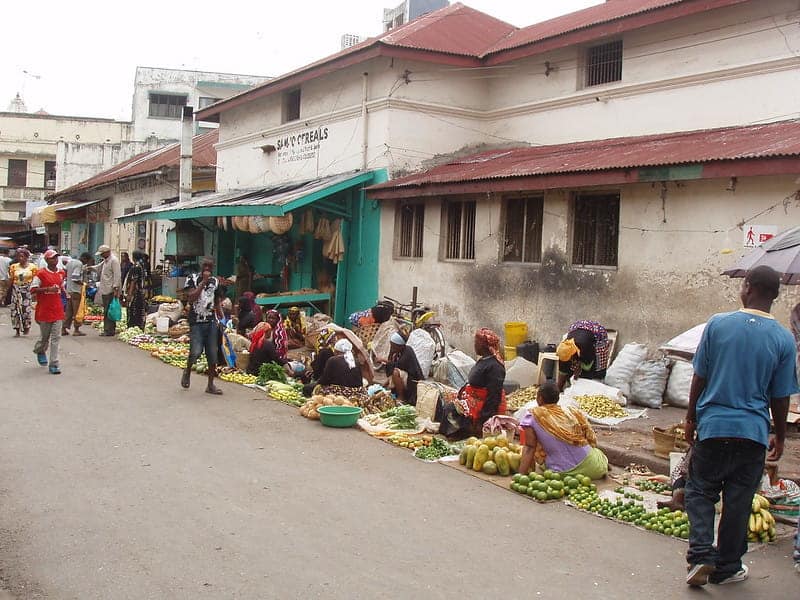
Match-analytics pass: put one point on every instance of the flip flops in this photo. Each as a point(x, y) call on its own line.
point(55, 371)
point(41, 357)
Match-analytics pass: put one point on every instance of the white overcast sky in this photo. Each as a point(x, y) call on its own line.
point(79, 57)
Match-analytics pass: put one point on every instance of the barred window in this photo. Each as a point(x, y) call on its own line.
point(169, 106)
point(595, 230)
point(17, 172)
point(459, 228)
point(409, 225)
point(523, 229)
point(604, 63)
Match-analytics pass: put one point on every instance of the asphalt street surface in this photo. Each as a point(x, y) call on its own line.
point(116, 483)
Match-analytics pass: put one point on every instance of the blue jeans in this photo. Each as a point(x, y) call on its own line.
point(734, 468)
point(203, 337)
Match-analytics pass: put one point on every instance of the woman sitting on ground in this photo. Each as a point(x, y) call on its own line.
point(295, 329)
point(247, 318)
point(403, 369)
point(559, 439)
point(273, 317)
point(262, 349)
point(341, 376)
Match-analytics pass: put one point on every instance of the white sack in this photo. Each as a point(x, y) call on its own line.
point(648, 383)
point(679, 383)
point(424, 347)
point(592, 387)
point(522, 371)
point(460, 366)
point(620, 372)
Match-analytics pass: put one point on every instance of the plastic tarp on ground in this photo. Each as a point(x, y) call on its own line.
point(685, 344)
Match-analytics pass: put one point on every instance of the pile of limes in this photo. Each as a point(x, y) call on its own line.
point(550, 485)
point(629, 495)
point(674, 523)
point(649, 485)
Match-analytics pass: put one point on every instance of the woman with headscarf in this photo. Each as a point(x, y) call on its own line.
point(583, 353)
point(559, 439)
point(295, 328)
point(483, 395)
point(324, 351)
point(262, 349)
point(247, 318)
point(341, 376)
point(259, 314)
point(125, 266)
point(273, 317)
point(403, 369)
point(137, 289)
point(20, 276)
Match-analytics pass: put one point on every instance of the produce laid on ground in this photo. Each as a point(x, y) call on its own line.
point(234, 375)
point(310, 410)
point(761, 525)
point(629, 495)
point(408, 440)
point(162, 299)
point(437, 448)
point(521, 397)
point(271, 371)
point(288, 393)
point(551, 486)
point(491, 455)
point(651, 485)
point(379, 402)
point(600, 407)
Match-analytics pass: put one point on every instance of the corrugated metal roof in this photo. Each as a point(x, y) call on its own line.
point(731, 143)
point(203, 155)
point(258, 201)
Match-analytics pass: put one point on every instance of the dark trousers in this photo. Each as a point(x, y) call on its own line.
point(109, 326)
point(734, 469)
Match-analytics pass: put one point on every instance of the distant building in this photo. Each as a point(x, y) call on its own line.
point(351, 39)
point(408, 11)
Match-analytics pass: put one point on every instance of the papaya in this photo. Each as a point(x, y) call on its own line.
point(471, 440)
point(489, 467)
point(502, 441)
point(471, 452)
point(462, 458)
point(503, 466)
point(481, 456)
point(513, 461)
point(491, 442)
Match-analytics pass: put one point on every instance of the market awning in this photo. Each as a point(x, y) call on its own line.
point(64, 206)
point(273, 201)
point(42, 215)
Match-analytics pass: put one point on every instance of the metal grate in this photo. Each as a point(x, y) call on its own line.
point(460, 230)
point(523, 229)
point(169, 106)
point(409, 226)
point(604, 63)
point(595, 238)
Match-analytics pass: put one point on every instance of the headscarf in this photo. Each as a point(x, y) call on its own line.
point(346, 348)
point(280, 337)
point(398, 339)
point(294, 320)
point(567, 349)
point(254, 306)
point(245, 305)
point(326, 338)
point(258, 334)
point(488, 342)
point(568, 425)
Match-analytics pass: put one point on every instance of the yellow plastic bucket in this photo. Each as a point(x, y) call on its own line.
point(516, 333)
point(510, 352)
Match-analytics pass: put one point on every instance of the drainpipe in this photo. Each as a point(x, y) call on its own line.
point(364, 127)
point(187, 127)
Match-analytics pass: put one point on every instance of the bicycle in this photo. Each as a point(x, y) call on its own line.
point(414, 316)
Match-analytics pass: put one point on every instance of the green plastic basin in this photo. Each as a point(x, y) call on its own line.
point(339, 416)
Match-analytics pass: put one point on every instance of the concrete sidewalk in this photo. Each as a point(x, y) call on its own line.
point(632, 442)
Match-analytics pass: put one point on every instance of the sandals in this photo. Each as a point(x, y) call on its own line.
point(55, 371)
point(185, 378)
point(213, 390)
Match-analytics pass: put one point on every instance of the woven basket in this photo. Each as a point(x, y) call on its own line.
point(280, 225)
point(668, 440)
point(240, 223)
point(366, 333)
point(254, 225)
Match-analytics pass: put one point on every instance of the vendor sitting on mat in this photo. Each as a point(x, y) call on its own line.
point(678, 482)
point(341, 375)
point(584, 352)
point(295, 328)
point(559, 439)
point(262, 350)
point(403, 369)
point(325, 341)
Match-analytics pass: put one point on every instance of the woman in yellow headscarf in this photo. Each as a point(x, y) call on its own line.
point(559, 439)
point(584, 352)
point(295, 328)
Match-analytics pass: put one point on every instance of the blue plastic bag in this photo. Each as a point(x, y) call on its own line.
point(115, 310)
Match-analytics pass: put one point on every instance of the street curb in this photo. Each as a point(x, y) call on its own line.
point(622, 457)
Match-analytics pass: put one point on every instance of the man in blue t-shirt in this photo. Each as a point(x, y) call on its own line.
point(743, 369)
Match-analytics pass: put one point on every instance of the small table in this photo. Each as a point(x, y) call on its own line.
point(316, 301)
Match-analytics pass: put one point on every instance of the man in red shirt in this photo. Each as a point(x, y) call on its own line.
point(47, 285)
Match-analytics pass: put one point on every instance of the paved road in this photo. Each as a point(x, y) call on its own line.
point(115, 483)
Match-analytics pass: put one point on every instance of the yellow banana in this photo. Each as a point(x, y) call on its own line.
point(759, 523)
point(764, 502)
point(756, 504)
point(767, 519)
point(751, 525)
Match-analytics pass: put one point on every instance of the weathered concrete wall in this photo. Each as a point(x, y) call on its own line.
point(76, 162)
point(668, 278)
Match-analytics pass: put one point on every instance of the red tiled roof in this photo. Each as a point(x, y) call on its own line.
point(203, 155)
point(781, 139)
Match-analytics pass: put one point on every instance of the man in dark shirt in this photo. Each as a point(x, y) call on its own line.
point(403, 369)
point(203, 294)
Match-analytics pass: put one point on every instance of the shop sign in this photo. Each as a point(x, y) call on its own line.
point(41, 230)
point(301, 146)
point(755, 235)
point(66, 240)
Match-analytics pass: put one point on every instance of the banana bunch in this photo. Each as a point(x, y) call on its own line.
point(286, 393)
point(761, 526)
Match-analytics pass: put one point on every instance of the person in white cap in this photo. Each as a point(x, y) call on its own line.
point(47, 285)
point(403, 369)
point(109, 285)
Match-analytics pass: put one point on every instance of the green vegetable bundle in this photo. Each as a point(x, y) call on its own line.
point(401, 417)
point(270, 371)
point(438, 449)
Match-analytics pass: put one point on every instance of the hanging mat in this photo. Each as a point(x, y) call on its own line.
point(280, 225)
point(323, 230)
point(333, 249)
point(307, 222)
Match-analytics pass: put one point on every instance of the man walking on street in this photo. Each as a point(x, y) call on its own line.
point(744, 367)
point(108, 286)
point(75, 278)
point(46, 286)
point(5, 285)
point(203, 294)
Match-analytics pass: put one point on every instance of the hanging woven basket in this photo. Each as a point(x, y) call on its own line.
point(259, 224)
point(280, 225)
point(240, 223)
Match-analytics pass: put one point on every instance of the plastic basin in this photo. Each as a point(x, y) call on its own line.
point(339, 416)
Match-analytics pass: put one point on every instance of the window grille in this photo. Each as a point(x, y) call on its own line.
point(523, 229)
point(17, 173)
point(460, 230)
point(409, 226)
point(595, 238)
point(604, 63)
point(169, 106)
